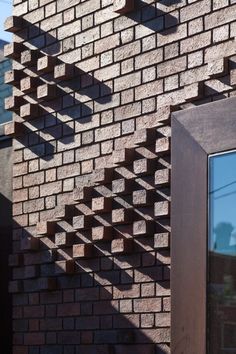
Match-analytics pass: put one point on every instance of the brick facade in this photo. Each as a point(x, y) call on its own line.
point(95, 84)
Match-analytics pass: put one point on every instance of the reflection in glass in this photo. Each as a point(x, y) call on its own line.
point(222, 254)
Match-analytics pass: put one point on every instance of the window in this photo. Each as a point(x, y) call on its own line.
point(203, 218)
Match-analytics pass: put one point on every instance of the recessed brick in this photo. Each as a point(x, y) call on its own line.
point(13, 50)
point(83, 250)
point(162, 240)
point(63, 71)
point(162, 208)
point(162, 146)
point(82, 194)
point(143, 228)
point(64, 212)
point(45, 228)
point(46, 64)
point(162, 177)
point(121, 245)
point(143, 197)
point(144, 166)
point(13, 129)
point(13, 77)
point(102, 233)
point(29, 84)
point(29, 57)
point(101, 205)
point(103, 175)
point(13, 103)
point(144, 136)
point(29, 110)
point(46, 92)
point(122, 216)
point(123, 6)
point(62, 267)
point(64, 238)
point(13, 24)
point(122, 186)
point(82, 222)
point(123, 157)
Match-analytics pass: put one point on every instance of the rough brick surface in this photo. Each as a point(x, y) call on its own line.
point(91, 173)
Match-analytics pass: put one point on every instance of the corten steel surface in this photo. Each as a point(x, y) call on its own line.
point(196, 133)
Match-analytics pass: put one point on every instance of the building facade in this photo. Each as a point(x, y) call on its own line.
point(96, 83)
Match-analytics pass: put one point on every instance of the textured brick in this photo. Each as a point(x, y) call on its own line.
point(46, 92)
point(63, 71)
point(101, 233)
point(122, 186)
point(46, 64)
point(13, 129)
point(29, 110)
point(121, 246)
point(123, 6)
point(101, 205)
point(62, 267)
point(82, 194)
point(13, 50)
point(143, 228)
point(64, 238)
point(13, 24)
point(82, 222)
point(143, 197)
point(13, 77)
point(64, 212)
point(46, 228)
point(143, 166)
point(82, 250)
point(28, 84)
point(29, 57)
point(122, 216)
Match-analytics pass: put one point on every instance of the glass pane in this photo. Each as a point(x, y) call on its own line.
point(222, 254)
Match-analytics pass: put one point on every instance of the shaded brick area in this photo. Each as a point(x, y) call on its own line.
point(95, 84)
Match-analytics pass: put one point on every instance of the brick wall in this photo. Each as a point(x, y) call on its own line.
point(5, 90)
point(95, 87)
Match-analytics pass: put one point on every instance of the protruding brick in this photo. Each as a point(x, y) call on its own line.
point(46, 228)
point(13, 77)
point(82, 194)
point(122, 186)
point(193, 91)
point(62, 267)
point(143, 197)
point(13, 129)
point(123, 6)
point(15, 286)
point(15, 260)
point(13, 24)
point(233, 77)
point(13, 103)
point(162, 177)
point(13, 50)
point(103, 175)
point(29, 84)
point(47, 283)
point(122, 216)
point(63, 71)
point(46, 64)
point(101, 233)
point(101, 204)
point(217, 67)
point(162, 145)
point(123, 157)
point(144, 136)
point(82, 222)
point(64, 212)
point(144, 166)
point(162, 240)
point(64, 238)
point(121, 245)
point(46, 92)
point(162, 208)
point(29, 110)
point(143, 228)
point(29, 244)
point(29, 57)
point(83, 250)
